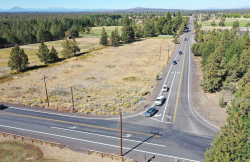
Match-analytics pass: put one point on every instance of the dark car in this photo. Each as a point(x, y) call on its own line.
point(180, 52)
point(150, 112)
point(1, 106)
point(174, 62)
point(185, 39)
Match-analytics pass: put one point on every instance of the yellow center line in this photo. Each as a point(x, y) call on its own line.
point(180, 81)
point(14, 114)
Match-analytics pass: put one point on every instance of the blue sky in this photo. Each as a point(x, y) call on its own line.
point(125, 4)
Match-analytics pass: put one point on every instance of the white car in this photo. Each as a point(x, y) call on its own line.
point(159, 101)
point(165, 88)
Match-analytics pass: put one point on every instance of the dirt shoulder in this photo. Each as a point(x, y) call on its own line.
point(206, 105)
point(14, 150)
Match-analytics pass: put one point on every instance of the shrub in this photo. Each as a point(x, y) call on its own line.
point(112, 113)
point(117, 113)
point(27, 103)
point(99, 113)
point(222, 102)
point(90, 109)
point(133, 109)
point(87, 112)
point(157, 76)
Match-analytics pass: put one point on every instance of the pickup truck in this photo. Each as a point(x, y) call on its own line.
point(159, 100)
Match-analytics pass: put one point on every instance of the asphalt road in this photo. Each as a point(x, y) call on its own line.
point(174, 132)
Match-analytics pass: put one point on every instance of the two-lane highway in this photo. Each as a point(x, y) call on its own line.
point(174, 132)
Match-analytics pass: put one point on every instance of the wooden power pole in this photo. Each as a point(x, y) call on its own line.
point(121, 130)
point(72, 100)
point(168, 54)
point(46, 89)
point(160, 54)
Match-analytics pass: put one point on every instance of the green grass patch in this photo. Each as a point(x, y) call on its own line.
point(59, 93)
point(229, 22)
point(90, 78)
point(110, 66)
point(85, 56)
point(129, 79)
point(11, 151)
point(109, 29)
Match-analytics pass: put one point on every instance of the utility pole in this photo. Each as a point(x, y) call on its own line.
point(160, 54)
point(121, 129)
point(46, 89)
point(168, 53)
point(72, 100)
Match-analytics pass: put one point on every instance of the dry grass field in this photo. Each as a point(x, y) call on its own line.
point(103, 81)
point(31, 50)
point(15, 151)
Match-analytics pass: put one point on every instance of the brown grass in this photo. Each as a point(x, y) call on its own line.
point(95, 84)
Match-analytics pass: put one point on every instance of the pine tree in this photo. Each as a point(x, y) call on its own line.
point(43, 53)
point(232, 144)
point(128, 34)
point(18, 59)
point(53, 55)
point(74, 45)
point(117, 35)
point(104, 38)
point(66, 48)
point(112, 39)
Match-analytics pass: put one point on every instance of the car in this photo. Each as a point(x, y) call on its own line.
point(159, 100)
point(150, 112)
point(174, 62)
point(1, 106)
point(180, 52)
point(185, 39)
point(165, 88)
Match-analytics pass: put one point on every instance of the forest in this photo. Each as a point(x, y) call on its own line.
point(226, 66)
point(26, 28)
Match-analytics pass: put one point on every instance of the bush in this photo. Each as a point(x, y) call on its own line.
point(112, 113)
point(90, 109)
point(157, 77)
point(222, 102)
point(87, 112)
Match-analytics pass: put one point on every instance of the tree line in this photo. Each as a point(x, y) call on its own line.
point(226, 66)
point(27, 28)
point(163, 25)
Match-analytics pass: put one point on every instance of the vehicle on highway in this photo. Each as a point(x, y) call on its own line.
point(150, 112)
point(159, 101)
point(1, 106)
point(174, 62)
point(185, 39)
point(165, 88)
point(180, 53)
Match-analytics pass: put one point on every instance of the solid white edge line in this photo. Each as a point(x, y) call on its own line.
point(107, 136)
point(189, 91)
point(168, 97)
point(97, 143)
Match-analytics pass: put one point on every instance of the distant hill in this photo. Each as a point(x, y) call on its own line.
point(141, 9)
point(137, 9)
point(17, 9)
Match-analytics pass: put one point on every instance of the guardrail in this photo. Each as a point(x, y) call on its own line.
point(32, 140)
point(112, 156)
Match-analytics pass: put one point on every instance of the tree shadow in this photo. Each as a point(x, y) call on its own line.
point(34, 67)
point(139, 144)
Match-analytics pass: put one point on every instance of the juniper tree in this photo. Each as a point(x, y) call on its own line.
point(74, 45)
point(233, 143)
point(18, 59)
point(43, 53)
point(104, 38)
point(53, 55)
